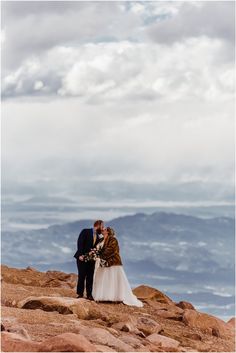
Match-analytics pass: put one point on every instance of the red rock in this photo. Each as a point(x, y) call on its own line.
point(63, 305)
point(12, 342)
point(67, 342)
point(146, 292)
point(170, 314)
point(134, 342)
point(126, 326)
point(29, 268)
point(96, 321)
point(163, 341)
point(148, 325)
point(142, 326)
point(102, 336)
point(185, 305)
point(19, 330)
point(205, 322)
point(33, 277)
point(231, 322)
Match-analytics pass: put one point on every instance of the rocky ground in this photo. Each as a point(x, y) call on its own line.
point(40, 313)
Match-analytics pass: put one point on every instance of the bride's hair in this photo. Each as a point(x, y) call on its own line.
point(111, 232)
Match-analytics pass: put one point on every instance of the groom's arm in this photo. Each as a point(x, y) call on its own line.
point(81, 243)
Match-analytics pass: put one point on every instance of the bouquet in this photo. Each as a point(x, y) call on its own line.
point(92, 255)
point(95, 254)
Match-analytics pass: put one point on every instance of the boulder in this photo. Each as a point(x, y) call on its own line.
point(29, 268)
point(205, 322)
point(142, 326)
point(148, 326)
point(131, 341)
point(67, 342)
point(185, 305)
point(60, 279)
point(147, 293)
point(32, 277)
point(163, 341)
point(231, 322)
point(20, 330)
point(126, 326)
point(103, 337)
point(171, 314)
point(63, 305)
point(13, 342)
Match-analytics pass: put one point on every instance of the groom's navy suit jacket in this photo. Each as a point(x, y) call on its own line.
point(85, 242)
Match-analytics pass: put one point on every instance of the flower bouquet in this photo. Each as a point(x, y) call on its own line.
point(92, 255)
point(95, 254)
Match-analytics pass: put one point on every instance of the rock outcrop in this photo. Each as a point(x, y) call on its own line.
point(32, 277)
point(145, 293)
point(232, 322)
point(40, 313)
point(206, 323)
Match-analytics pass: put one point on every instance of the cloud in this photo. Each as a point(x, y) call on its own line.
point(124, 70)
point(214, 19)
point(105, 149)
point(43, 25)
point(117, 99)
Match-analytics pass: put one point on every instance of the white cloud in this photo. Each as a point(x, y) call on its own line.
point(68, 139)
point(47, 24)
point(214, 19)
point(44, 25)
point(115, 71)
point(120, 92)
point(38, 85)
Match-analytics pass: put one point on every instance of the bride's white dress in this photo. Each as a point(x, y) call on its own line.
point(111, 284)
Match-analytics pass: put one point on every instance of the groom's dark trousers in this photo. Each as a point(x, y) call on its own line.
point(85, 269)
point(85, 273)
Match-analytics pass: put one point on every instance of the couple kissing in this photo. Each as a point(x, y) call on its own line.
point(100, 267)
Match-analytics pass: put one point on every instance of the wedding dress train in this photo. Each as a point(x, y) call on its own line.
point(111, 284)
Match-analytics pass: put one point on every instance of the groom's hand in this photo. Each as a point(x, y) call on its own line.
point(81, 258)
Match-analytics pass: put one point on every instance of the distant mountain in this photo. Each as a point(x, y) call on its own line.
point(169, 251)
point(42, 211)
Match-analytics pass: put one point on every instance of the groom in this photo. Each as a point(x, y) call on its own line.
point(87, 240)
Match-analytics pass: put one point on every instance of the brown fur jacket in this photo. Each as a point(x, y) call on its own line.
point(110, 252)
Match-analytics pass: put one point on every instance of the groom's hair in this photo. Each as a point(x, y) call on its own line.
point(98, 223)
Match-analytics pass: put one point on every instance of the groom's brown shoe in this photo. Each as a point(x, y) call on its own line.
point(79, 296)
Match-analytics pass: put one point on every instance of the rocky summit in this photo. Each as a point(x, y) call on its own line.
point(40, 313)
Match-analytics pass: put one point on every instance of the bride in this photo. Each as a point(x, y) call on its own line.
point(110, 282)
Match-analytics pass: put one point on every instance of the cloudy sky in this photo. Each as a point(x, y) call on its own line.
point(118, 101)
